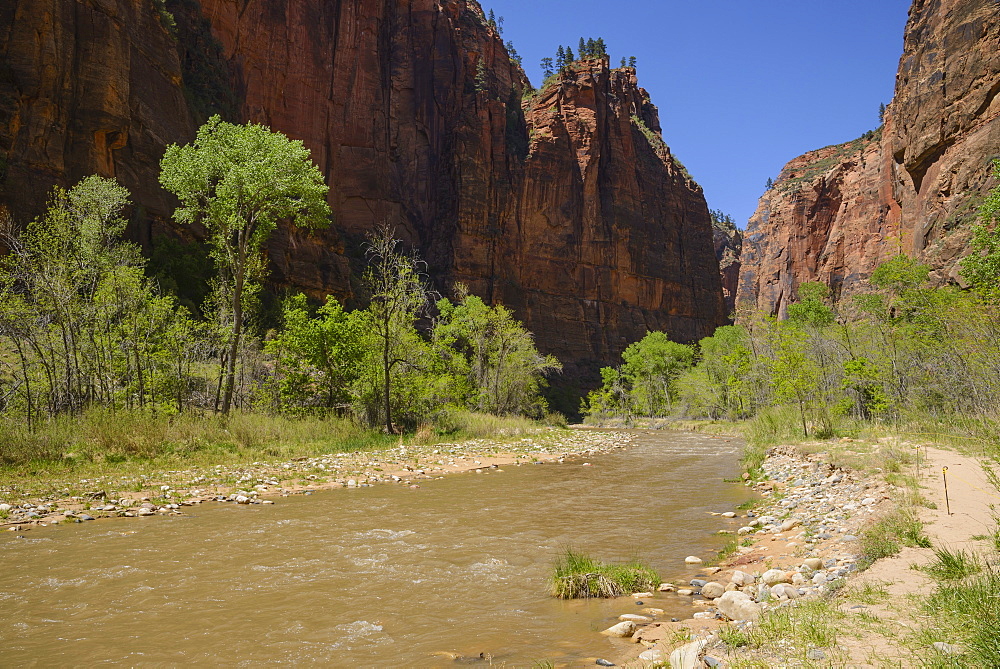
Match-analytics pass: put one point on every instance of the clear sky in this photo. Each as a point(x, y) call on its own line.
point(742, 86)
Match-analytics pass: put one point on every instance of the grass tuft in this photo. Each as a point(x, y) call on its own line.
point(886, 536)
point(954, 565)
point(577, 575)
point(968, 610)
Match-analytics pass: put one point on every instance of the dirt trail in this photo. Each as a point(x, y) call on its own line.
point(881, 625)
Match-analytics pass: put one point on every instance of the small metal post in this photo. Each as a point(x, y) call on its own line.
point(944, 475)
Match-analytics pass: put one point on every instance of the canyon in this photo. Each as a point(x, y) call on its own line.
point(913, 186)
point(564, 203)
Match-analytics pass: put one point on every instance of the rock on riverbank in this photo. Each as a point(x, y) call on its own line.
point(41, 503)
point(799, 543)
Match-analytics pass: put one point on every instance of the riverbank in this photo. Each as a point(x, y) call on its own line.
point(52, 497)
point(830, 567)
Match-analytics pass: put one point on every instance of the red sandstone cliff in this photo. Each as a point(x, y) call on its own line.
point(728, 242)
point(834, 214)
point(565, 207)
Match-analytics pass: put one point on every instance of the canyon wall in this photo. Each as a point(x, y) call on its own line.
point(565, 204)
point(728, 240)
point(913, 186)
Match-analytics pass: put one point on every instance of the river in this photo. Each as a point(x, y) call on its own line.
point(384, 576)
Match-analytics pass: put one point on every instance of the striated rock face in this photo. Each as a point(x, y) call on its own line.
point(728, 242)
point(85, 87)
point(824, 220)
point(566, 206)
point(608, 237)
point(834, 214)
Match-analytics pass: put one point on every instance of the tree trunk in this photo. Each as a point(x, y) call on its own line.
point(386, 394)
point(227, 400)
point(234, 347)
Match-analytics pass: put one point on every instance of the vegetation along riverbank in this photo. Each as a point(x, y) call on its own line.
point(854, 412)
point(121, 398)
point(849, 557)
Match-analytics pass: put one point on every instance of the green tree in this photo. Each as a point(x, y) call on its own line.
point(506, 371)
point(482, 81)
point(317, 357)
point(546, 66)
point(981, 268)
point(86, 323)
point(651, 365)
point(239, 181)
point(795, 375)
point(644, 382)
point(399, 295)
point(810, 309)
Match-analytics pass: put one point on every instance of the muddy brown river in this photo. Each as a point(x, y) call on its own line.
point(384, 576)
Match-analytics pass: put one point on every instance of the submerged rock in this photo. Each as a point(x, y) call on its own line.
point(623, 629)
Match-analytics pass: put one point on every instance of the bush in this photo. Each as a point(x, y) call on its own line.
point(580, 576)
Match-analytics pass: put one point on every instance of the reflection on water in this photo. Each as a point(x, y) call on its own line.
point(382, 576)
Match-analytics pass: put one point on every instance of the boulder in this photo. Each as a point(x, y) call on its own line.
point(773, 576)
point(813, 564)
point(712, 590)
point(636, 618)
point(784, 590)
point(686, 657)
point(653, 655)
point(624, 629)
point(737, 605)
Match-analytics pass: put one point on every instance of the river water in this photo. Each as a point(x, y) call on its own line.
point(384, 576)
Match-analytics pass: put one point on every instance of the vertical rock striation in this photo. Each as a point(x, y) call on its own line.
point(914, 187)
point(728, 242)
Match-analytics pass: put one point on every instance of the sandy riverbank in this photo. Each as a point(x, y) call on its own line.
point(38, 504)
point(800, 547)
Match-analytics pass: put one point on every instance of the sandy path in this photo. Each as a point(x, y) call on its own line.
point(877, 643)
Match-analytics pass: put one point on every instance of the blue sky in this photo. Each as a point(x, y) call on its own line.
point(742, 87)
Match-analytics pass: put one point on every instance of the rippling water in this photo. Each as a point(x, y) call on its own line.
point(383, 576)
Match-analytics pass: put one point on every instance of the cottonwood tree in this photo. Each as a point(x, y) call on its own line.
point(506, 371)
point(317, 357)
point(239, 181)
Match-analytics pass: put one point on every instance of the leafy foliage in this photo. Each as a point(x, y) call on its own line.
point(982, 267)
point(238, 181)
point(644, 383)
point(86, 324)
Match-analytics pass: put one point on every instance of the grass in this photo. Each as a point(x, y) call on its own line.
point(869, 593)
point(966, 612)
point(577, 575)
point(886, 536)
point(129, 447)
point(952, 565)
point(796, 629)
